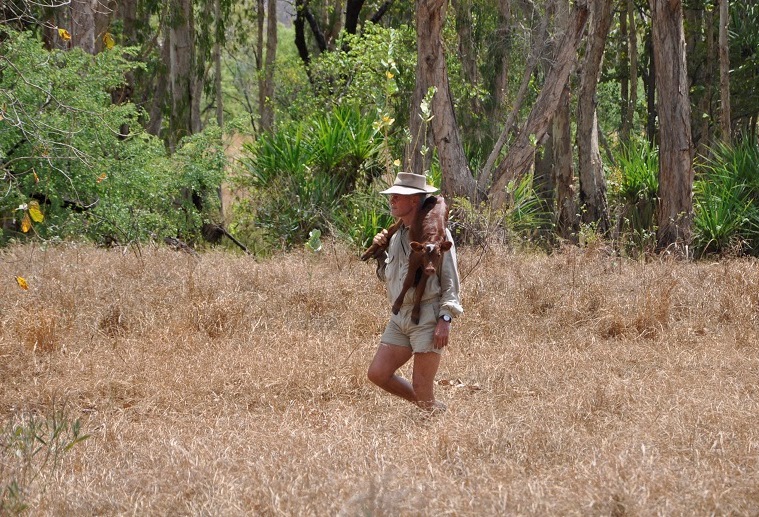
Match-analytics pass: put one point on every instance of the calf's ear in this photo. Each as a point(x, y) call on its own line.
point(446, 245)
point(416, 246)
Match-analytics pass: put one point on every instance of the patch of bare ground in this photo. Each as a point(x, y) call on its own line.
point(577, 384)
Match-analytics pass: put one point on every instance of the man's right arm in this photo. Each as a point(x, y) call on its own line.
point(381, 240)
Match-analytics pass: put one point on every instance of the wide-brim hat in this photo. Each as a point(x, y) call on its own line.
point(409, 183)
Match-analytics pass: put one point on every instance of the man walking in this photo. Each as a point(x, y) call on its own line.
point(402, 339)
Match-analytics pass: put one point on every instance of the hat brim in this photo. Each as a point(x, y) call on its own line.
point(407, 191)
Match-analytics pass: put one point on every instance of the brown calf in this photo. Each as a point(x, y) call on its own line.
point(428, 243)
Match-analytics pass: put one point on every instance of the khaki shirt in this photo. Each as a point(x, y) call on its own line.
point(443, 287)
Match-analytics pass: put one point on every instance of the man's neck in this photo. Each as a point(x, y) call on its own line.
point(409, 218)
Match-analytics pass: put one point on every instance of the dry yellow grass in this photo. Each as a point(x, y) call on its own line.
point(577, 384)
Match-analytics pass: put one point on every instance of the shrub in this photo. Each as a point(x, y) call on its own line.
point(726, 201)
point(634, 182)
point(31, 449)
point(62, 147)
point(301, 176)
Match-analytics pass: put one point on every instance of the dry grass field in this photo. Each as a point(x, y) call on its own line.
point(576, 384)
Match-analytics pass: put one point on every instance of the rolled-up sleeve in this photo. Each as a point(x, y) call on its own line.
point(450, 301)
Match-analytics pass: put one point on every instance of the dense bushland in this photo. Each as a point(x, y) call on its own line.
point(77, 165)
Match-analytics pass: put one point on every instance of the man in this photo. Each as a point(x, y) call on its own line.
point(402, 339)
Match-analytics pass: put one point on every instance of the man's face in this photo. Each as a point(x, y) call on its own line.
point(401, 206)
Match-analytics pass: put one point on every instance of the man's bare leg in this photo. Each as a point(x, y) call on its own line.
point(423, 380)
point(386, 362)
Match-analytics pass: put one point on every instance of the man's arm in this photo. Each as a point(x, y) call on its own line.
point(381, 240)
point(450, 301)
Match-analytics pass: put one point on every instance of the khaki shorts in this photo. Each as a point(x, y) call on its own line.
point(401, 331)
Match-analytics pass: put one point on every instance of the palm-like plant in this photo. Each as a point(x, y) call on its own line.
point(635, 182)
point(304, 172)
point(726, 200)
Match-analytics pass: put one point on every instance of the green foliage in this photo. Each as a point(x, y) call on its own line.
point(94, 171)
point(744, 59)
point(151, 195)
point(58, 124)
point(526, 213)
point(374, 70)
point(726, 201)
point(301, 174)
point(365, 213)
point(638, 172)
point(31, 450)
point(634, 183)
point(523, 220)
point(357, 73)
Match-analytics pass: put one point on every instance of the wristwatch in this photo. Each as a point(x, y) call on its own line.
point(445, 318)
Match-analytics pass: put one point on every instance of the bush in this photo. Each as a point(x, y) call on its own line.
point(31, 449)
point(303, 175)
point(726, 201)
point(62, 150)
point(634, 183)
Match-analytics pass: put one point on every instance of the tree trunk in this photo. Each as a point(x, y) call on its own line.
point(432, 71)
point(541, 36)
point(623, 58)
point(543, 181)
point(258, 53)
point(650, 86)
point(520, 156)
point(160, 92)
point(561, 133)
point(299, 25)
point(467, 52)
point(703, 129)
point(501, 57)
point(592, 179)
point(217, 64)
point(352, 10)
point(183, 82)
point(630, 86)
point(675, 211)
point(724, 71)
point(566, 218)
point(83, 24)
point(471, 116)
point(632, 28)
point(266, 86)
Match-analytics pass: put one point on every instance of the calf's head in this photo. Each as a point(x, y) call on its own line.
point(431, 255)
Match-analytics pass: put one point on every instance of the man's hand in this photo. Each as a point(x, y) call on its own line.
point(442, 330)
point(380, 239)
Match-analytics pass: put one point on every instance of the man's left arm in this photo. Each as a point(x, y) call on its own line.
point(450, 302)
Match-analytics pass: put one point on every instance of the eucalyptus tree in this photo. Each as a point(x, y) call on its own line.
point(724, 71)
point(266, 66)
point(627, 65)
point(560, 129)
point(591, 170)
point(675, 210)
point(432, 72)
point(520, 155)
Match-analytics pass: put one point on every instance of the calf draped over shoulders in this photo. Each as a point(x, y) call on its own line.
point(443, 287)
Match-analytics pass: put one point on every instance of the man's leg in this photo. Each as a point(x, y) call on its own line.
point(425, 368)
point(386, 362)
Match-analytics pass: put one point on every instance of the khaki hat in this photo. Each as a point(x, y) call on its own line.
point(408, 183)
